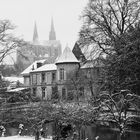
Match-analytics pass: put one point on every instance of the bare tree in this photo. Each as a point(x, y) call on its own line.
point(74, 82)
point(8, 43)
point(111, 27)
point(84, 81)
point(105, 23)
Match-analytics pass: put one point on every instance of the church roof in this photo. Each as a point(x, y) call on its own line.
point(52, 35)
point(32, 67)
point(35, 35)
point(46, 67)
point(67, 57)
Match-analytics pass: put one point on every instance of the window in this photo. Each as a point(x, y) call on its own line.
point(53, 76)
point(62, 74)
point(63, 93)
point(39, 64)
point(34, 81)
point(43, 92)
point(34, 91)
point(38, 79)
point(81, 93)
point(26, 81)
point(89, 73)
point(43, 77)
point(55, 92)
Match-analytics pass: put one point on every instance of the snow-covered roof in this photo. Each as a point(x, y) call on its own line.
point(46, 67)
point(16, 89)
point(32, 67)
point(14, 79)
point(67, 57)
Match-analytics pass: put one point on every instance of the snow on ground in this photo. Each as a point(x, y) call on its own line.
point(21, 138)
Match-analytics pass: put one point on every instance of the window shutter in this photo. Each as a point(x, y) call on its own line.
point(65, 75)
point(40, 78)
point(30, 79)
point(58, 75)
point(46, 78)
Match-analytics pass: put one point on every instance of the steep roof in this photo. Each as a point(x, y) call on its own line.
point(52, 35)
point(35, 35)
point(67, 57)
point(46, 67)
point(32, 67)
point(92, 64)
point(78, 52)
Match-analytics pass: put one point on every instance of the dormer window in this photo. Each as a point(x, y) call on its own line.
point(39, 64)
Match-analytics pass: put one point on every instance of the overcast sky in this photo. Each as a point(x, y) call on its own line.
point(65, 13)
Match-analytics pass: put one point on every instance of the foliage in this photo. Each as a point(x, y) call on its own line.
point(36, 113)
point(3, 84)
point(84, 81)
point(55, 93)
point(6, 71)
point(122, 70)
point(22, 96)
point(117, 109)
point(18, 97)
point(74, 84)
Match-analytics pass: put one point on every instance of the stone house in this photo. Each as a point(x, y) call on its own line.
point(45, 80)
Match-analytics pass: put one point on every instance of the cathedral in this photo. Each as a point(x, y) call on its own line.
point(38, 50)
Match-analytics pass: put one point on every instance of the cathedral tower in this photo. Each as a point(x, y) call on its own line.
point(52, 35)
point(35, 35)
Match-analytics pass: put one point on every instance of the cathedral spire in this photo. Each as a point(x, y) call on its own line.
point(35, 34)
point(52, 35)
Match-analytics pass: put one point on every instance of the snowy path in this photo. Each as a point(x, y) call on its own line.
point(20, 138)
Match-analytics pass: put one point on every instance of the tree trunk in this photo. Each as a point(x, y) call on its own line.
point(120, 135)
